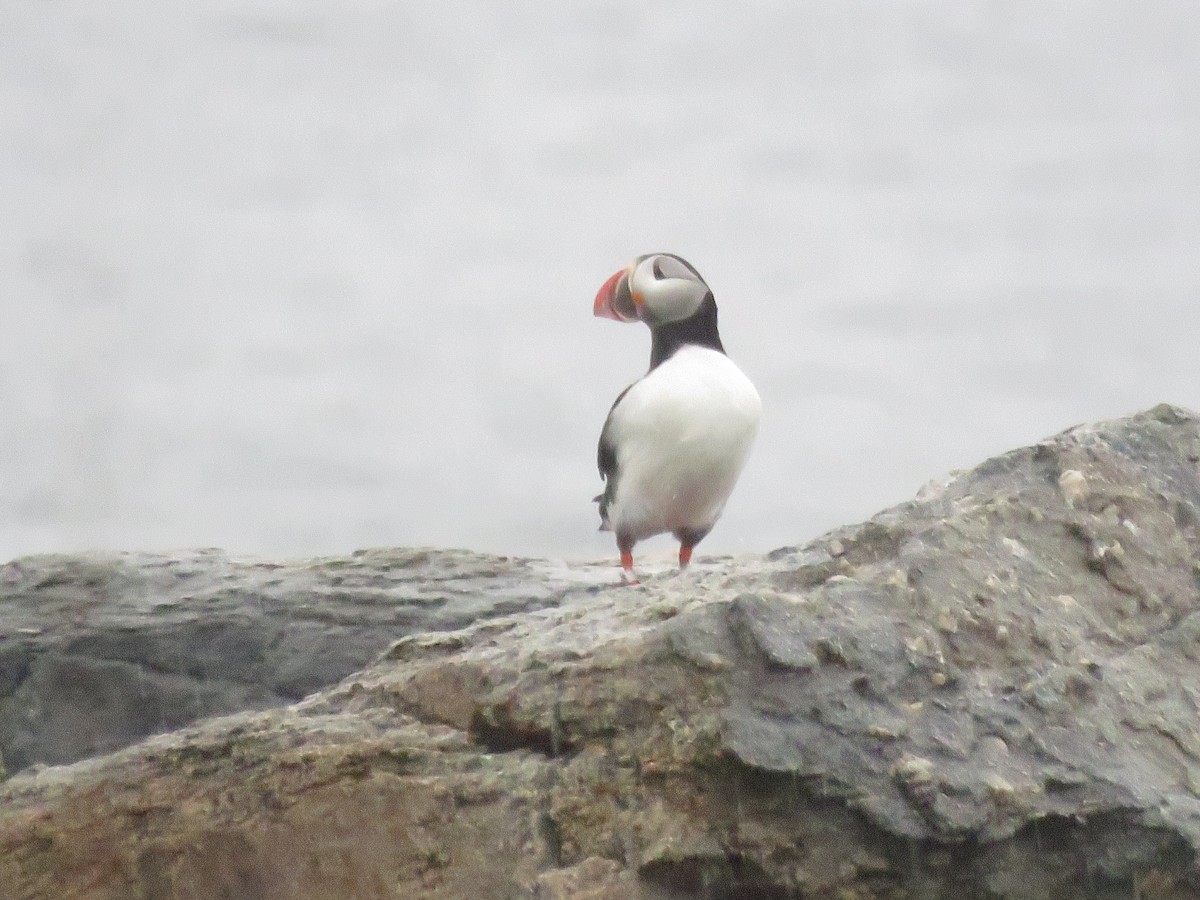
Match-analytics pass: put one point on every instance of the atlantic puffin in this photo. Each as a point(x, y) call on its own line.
point(676, 439)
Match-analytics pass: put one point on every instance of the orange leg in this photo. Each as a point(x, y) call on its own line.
point(685, 555)
point(625, 545)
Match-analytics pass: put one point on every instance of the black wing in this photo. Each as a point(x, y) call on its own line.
point(606, 461)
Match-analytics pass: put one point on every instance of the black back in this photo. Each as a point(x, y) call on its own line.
point(606, 461)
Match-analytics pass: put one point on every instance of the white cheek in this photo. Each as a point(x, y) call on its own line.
point(642, 279)
point(666, 299)
point(672, 299)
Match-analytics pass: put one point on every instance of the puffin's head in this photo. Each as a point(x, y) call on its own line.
point(657, 289)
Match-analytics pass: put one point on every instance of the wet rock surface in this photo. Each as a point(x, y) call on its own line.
point(991, 691)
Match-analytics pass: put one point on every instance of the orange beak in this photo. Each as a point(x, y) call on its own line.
point(613, 300)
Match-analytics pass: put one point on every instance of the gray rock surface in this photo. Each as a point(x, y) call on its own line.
point(991, 691)
point(100, 650)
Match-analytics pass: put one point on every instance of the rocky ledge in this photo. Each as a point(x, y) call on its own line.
point(991, 691)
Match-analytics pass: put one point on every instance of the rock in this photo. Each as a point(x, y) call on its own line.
point(904, 708)
point(101, 650)
point(596, 878)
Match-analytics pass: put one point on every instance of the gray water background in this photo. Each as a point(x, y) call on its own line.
point(297, 278)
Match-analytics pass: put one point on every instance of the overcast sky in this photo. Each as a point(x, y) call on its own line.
point(294, 279)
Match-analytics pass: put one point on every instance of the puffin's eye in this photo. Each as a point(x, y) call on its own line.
point(656, 267)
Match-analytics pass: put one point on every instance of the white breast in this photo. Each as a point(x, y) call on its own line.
point(681, 436)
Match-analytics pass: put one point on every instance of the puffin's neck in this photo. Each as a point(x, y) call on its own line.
point(699, 330)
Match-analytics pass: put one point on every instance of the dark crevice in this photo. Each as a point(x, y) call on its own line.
point(497, 731)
